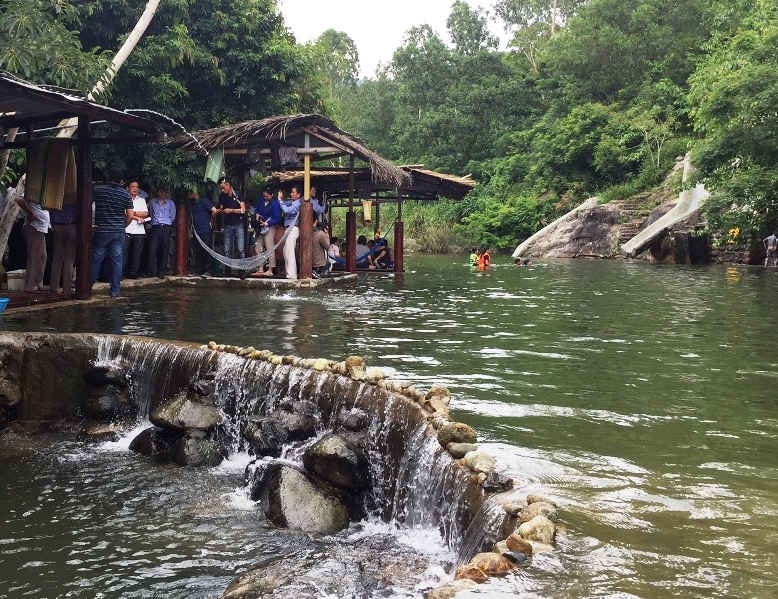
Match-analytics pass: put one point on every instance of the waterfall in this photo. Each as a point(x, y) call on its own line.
point(414, 481)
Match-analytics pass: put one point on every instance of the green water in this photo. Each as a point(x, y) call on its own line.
point(642, 398)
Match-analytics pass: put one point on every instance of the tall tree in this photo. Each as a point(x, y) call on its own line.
point(469, 30)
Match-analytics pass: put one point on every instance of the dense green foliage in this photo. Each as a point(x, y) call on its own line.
point(591, 97)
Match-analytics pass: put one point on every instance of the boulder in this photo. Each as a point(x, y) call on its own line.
point(355, 367)
point(106, 374)
point(203, 387)
point(268, 434)
point(517, 557)
point(479, 461)
point(458, 450)
point(535, 498)
point(183, 412)
point(8, 410)
point(492, 564)
point(107, 402)
point(456, 432)
point(98, 432)
point(299, 406)
point(496, 482)
point(450, 589)
point(437, 400)
point(291, 498)
point(355, 419)
point(195, 451)
point(538, 547)
point(336, 461)
point(471, 572)
point(539, 529)
point(262, 579)
point(539, 508)
point(156, 443)
point(515, 543)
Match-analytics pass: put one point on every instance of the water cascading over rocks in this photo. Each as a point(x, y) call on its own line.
point(334, 441)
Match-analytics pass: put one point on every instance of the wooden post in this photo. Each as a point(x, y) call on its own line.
point(306, 239)
point(399, 234)
point(83, 212)
point(377, 226)
point(351, 222)
point(182, 237)
point(306, 221)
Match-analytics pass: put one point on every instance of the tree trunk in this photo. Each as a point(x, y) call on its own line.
point(68, 127)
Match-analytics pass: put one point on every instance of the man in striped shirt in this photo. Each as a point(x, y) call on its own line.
point(113, 212)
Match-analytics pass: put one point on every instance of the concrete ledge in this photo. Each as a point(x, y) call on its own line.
point(100, 291)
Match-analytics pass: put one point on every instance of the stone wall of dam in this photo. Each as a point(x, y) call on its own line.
point(335, 441)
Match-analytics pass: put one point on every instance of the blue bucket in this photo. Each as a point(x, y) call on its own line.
point(4, 303)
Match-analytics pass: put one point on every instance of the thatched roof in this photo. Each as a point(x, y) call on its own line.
point(424, 184)
point(289, 130)
point(24, 104)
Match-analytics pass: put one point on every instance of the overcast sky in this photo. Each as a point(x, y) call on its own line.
point(376, 26)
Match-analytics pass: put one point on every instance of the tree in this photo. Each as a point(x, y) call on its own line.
point(39, 42)
point(525, 13)
point(334, 70)
point(469, 30)
point(734, 94)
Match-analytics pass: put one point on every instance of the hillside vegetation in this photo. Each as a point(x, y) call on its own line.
point(595, 97)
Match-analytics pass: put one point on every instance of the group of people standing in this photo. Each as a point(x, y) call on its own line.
point(272, 217)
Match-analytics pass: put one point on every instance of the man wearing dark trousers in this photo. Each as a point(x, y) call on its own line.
point(113, 212)
point(163, 214)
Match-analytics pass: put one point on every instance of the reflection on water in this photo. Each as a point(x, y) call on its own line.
point(642, 398)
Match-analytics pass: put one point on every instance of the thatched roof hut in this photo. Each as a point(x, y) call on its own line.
point(310, 134)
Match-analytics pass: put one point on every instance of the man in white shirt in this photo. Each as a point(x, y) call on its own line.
point(135, 232)
point(36, 224)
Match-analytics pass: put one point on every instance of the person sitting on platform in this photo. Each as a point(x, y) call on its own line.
point(163, 214)
point(382, 256)
point(321, 246)
point(334, 249)
point(203, 212)
point(290, 208)
point(233, 209)
point(268, 219)
point(364, 253)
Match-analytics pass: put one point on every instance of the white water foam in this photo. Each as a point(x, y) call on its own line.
point(122, 444)
point(234, 463)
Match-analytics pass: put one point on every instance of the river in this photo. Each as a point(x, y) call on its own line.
point(641, 398)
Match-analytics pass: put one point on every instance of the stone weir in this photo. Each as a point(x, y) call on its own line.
point(334, 441)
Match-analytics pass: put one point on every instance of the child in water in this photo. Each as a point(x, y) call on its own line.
point(473, 257)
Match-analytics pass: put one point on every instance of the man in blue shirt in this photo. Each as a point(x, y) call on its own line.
point(113, 212)
point(319, 206)
point(163, 214)
point(290, 208)
point(268, 221)
point(233, 210)
point(203, 211)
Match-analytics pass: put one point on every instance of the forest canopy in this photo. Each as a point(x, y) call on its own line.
point(590, 97)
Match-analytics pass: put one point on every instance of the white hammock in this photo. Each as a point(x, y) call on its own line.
point(247, 264)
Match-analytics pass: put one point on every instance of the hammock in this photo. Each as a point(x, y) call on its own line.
point(248, 264)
